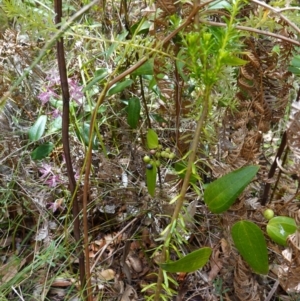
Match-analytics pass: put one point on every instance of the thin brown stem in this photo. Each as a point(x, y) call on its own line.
point(65, 140)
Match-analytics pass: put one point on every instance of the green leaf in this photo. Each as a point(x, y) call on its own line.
point(189, 263)
point(134, 109)
point(280, 227)
point(180, 168)
point(42, 151)
point(294, 70)
point(250, 242)
point(142, 26)
point(98, 76)
point(296, 61)
point(119, 87)
point(151, 179)
point(222, 193)
point(233, 60)
point(219, 4)
point(84, 135)
point(152, 139)
point(38, 129)
point(145, 69)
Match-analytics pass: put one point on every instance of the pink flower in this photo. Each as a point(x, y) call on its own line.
point(45, 170)
point(44, 97)
point(75, 91)
point(53, 180)
point(58, 204)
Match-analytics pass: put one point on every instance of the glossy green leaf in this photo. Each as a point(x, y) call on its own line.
point(222, 193)
point(189, 263)
point(134, 110)
point(250, 242)
point(119, 87)
point(38, 129)
point(151, 179)
point(42, 151)
point(152, 139)
point(145, 69)
point(280, 227)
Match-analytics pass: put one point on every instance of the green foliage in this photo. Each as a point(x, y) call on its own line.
point(42, 151)
point(151, 174)
point(295, 65)
point(36, 20)
point(134, 110)
point(152, 139)
point(250, 242)
point(189, 263)
point(222, 193)
point(38, 129)
point(280, 227)
point(119, 87)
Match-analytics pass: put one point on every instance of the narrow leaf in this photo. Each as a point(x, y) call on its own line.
point(134, 109)
point(42, 151)
point(151, 179)
point(152, 139)
point(280, 227)
point(250, 242)
point(119, 87)
point(222, 193)
point(189, 263)
point(38, 129)
point(99, 75)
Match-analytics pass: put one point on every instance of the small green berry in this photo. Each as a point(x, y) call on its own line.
point(171, 156)
point(168, 150)
point(157, 162)
point(157, 155)
point(163, 154)
point(159, 146)
point(149, 166)
point(268, 214)
point(146, 159)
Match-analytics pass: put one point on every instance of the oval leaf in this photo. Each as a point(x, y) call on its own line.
point(151, 180)
point(134, 109)
point(145, 69)
point(42, 151)
point(38, 129)
point(250, 242)
point(152, 139)
point(280, 227)
point(189, 263)
point(222, 193)
point(119, 87)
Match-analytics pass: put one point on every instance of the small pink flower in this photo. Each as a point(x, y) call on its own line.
point(45, 170)
point(44, 97)
point(53, 180)
point(58, 204)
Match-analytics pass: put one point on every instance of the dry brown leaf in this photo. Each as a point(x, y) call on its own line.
point(107, 275)
point(216, 264)
point(129, 294)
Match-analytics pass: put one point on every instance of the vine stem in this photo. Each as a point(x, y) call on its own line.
point(184, 187)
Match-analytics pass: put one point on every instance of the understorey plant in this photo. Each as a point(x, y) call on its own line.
point(206, 54)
